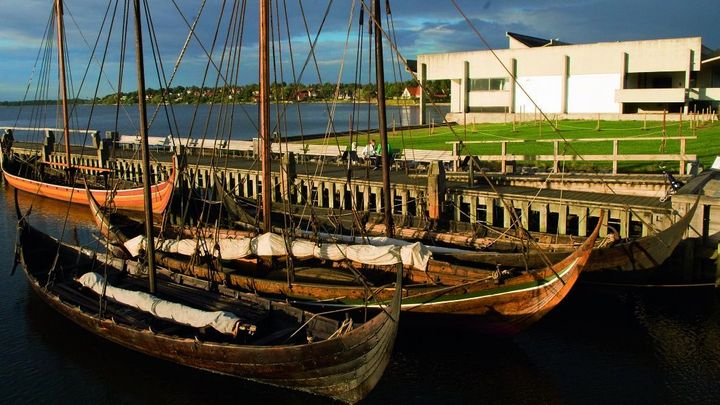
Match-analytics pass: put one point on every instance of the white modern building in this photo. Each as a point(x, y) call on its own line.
point(577, 81)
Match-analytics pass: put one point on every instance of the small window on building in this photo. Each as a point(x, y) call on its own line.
point(488, 84)
point(497, 84)
point(479, 85)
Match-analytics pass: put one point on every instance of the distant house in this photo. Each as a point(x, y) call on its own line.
point(304, 95)
point(411, 93)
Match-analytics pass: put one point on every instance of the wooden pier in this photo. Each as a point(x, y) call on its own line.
point(567, 204)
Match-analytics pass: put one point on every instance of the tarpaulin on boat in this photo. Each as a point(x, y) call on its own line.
point(415, 255)
point(222, 321)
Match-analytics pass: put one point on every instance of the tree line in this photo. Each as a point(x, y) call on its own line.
point(279, 92)
point(438, 90)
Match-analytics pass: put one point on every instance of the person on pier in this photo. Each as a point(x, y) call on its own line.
point(351, 153)
point(377, 158)
point(368, 151)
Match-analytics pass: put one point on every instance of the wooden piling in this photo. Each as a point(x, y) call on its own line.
point(436, 189)
point(680, 127)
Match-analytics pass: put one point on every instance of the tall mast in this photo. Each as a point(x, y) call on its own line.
point(382, 120)
point(63, 83)
point(265, 140)
point(150, 247)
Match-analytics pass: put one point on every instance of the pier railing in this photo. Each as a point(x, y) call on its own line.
point(505, 158)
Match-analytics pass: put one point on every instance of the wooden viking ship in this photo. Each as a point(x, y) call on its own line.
point(502, 248)
point(274, 343)
point(497, 300)
point(123, 198)
point(179, 318)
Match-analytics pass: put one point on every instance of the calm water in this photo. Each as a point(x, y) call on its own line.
point(604, 346)
point(244, 119)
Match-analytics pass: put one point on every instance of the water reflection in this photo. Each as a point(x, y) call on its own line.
point(601, 345)
point(71, 222)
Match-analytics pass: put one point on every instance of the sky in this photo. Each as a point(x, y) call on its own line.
point(420, 26)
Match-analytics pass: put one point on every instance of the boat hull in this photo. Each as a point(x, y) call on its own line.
point(126, 199)
point(345, 368)
point(501, 305)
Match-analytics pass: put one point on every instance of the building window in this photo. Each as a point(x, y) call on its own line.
point(488, 84)
point(479, 85)
point(497, 84)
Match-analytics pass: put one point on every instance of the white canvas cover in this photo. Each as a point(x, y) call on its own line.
point(415, 255)
point(222, 321)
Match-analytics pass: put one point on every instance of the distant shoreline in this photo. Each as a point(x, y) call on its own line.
point(391, 102)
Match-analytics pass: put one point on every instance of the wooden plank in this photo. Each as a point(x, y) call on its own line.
point(609, 158)
point(650, 138)
point(480, 142)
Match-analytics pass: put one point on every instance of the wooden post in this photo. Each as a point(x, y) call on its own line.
point(473, 209)
point(597, 127)
point(664, 122)
point(645, 122)
point(503, 153)
point(616, 149)
point(435, 189)
point(456, 156)
point(682, 156)
point(471, 172)
point(681, 124)
point(288, 173)
point(556, 151)
point(562, 219)
point(693, 126)
point(543, 218)
point(465, 125)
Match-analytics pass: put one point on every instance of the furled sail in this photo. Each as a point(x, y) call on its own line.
point(222, 321)
point(415, 255)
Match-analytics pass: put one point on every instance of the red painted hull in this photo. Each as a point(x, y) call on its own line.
point(125, 199)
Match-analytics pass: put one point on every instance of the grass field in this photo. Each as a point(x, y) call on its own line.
point(706, 146)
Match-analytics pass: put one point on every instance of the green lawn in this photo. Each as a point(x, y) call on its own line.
point(706, 146)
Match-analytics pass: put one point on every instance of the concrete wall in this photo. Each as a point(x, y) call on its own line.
point(602, 86)
point(546, 91)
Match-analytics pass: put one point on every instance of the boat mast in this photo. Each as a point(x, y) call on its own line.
point(150, 247)
point(63, 85)
point(382, 120)
point(264, 129)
